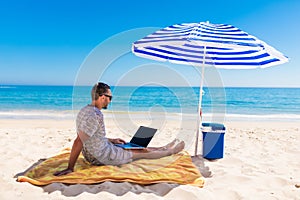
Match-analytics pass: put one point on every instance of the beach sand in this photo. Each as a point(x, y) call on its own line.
point(261, 161)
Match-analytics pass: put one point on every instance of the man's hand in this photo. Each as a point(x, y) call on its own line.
point(117, 141)
point(63, 172)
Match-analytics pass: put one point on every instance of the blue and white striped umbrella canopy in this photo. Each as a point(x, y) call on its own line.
point(206, 44)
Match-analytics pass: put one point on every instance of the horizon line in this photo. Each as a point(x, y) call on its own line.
point(67, 85)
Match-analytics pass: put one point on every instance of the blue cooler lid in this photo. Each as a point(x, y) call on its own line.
point(213, 126)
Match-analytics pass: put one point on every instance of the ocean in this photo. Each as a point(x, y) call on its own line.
point(63, 102)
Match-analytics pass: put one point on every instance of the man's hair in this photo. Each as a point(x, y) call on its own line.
point(99, 89)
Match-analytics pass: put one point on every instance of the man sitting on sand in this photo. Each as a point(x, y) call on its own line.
point(96, 147)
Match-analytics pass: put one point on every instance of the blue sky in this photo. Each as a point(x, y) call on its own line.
point(46, 42)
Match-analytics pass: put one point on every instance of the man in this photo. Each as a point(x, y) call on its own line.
point(96, 147)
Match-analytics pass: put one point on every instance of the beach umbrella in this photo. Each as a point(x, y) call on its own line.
point(205, 45)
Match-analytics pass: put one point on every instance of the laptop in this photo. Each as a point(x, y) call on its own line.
point(141, 138)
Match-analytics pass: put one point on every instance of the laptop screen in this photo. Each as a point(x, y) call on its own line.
point(143, 136)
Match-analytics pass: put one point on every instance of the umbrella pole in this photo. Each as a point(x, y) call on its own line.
point(199, 118)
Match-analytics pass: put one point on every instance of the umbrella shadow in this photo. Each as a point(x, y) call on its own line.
point(199, 161)
point(115, 188)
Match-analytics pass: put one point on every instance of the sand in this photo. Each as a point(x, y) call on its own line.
point(261, 161)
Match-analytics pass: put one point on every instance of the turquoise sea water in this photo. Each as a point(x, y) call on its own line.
point(239, 103)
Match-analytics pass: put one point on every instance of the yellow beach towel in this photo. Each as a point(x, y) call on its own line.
point(172, 169)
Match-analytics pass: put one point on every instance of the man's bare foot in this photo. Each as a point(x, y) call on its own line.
point(179, 147)
point(169, 145)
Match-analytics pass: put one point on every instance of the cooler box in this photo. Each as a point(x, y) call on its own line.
point(213, 140)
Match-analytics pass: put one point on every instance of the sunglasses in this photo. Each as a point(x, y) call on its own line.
point(109, 96)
